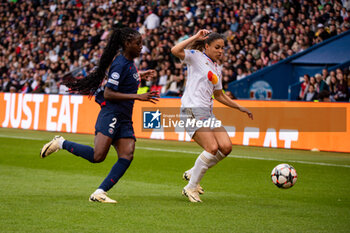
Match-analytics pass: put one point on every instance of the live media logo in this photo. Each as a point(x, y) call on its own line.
point(151, 119)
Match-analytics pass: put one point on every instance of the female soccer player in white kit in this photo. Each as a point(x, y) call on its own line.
point(204, 80)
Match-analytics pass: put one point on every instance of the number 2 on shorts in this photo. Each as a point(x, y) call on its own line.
point(114, 121)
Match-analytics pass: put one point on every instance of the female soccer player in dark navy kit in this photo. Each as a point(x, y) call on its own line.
point(114, 122)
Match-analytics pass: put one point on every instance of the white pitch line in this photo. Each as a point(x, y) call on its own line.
point(34, 139)
point(291, 161)
point(19, 137)
point(246, 157)
point(168, 150)
point(197, 152)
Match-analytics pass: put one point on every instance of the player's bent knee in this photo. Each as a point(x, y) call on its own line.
point(226, 149)
point(98, 158)
point(212, 149)
point(129, 156)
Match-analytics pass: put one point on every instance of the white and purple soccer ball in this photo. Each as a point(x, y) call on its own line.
point(284, 176)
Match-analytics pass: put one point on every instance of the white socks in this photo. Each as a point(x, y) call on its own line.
point(98, 191)
point(60, 142)
point(199, 169)
point(204, 161)
point(218, 157)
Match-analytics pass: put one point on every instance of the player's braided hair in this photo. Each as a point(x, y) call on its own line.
point(200, 44)
point(92, 82)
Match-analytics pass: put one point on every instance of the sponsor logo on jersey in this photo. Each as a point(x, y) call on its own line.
point(212, 77)
point(115, 82)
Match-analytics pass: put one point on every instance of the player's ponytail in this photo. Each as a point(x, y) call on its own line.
point(92, 82)
point(200, 44)
point(197, 45)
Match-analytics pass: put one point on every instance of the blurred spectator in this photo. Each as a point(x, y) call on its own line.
point(321, 85)
point(342, 88)
point(37, 85)
point(63, 89)
point(152, 21)
point(240, 73)
point(333, 86)
point(313, 81)
point(329, 77)
point(163, 78)
point(321, 33)
point(234, 24)
point(264, 58)
point(325, 96)
point(13, 89)
point(6, 84)
point(325, 75)
point(50, 86)
point(311, 94)
point(26, 88)
point(304, 86)
point(174, 85)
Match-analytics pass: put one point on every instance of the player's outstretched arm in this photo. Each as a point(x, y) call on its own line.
point(224, 99)
point(149, 96)
point(111, 95)
point(179, 49)
point(147, 74)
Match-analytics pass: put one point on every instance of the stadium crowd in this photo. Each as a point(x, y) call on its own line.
point(326, 87)
point(41, 40)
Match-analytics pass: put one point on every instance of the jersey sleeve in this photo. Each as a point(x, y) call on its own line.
point(190, 55)
point(115, 76)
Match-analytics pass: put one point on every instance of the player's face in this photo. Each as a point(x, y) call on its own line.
point(134, 47)
point(215, 49)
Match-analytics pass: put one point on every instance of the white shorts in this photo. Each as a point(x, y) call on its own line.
point(196, 118)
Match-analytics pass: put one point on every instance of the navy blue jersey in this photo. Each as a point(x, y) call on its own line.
point(123, 78)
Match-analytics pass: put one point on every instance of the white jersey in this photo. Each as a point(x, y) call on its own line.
point(203, 77)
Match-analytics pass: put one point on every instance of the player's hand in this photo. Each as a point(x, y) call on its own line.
point(147, 74)
point(202, 34)
point(149, 96)
point(243, 109)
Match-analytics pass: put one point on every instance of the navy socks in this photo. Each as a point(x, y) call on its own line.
point(115, 174)
point(86, 152)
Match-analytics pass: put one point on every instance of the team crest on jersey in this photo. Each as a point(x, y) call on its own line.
point(115, 75)
point(111, 130)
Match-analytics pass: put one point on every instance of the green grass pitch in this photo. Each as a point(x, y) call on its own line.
point(51, 194)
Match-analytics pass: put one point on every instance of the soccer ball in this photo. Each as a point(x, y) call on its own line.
point(284, 176)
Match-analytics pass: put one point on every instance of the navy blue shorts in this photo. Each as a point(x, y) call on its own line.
point(114, 125)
